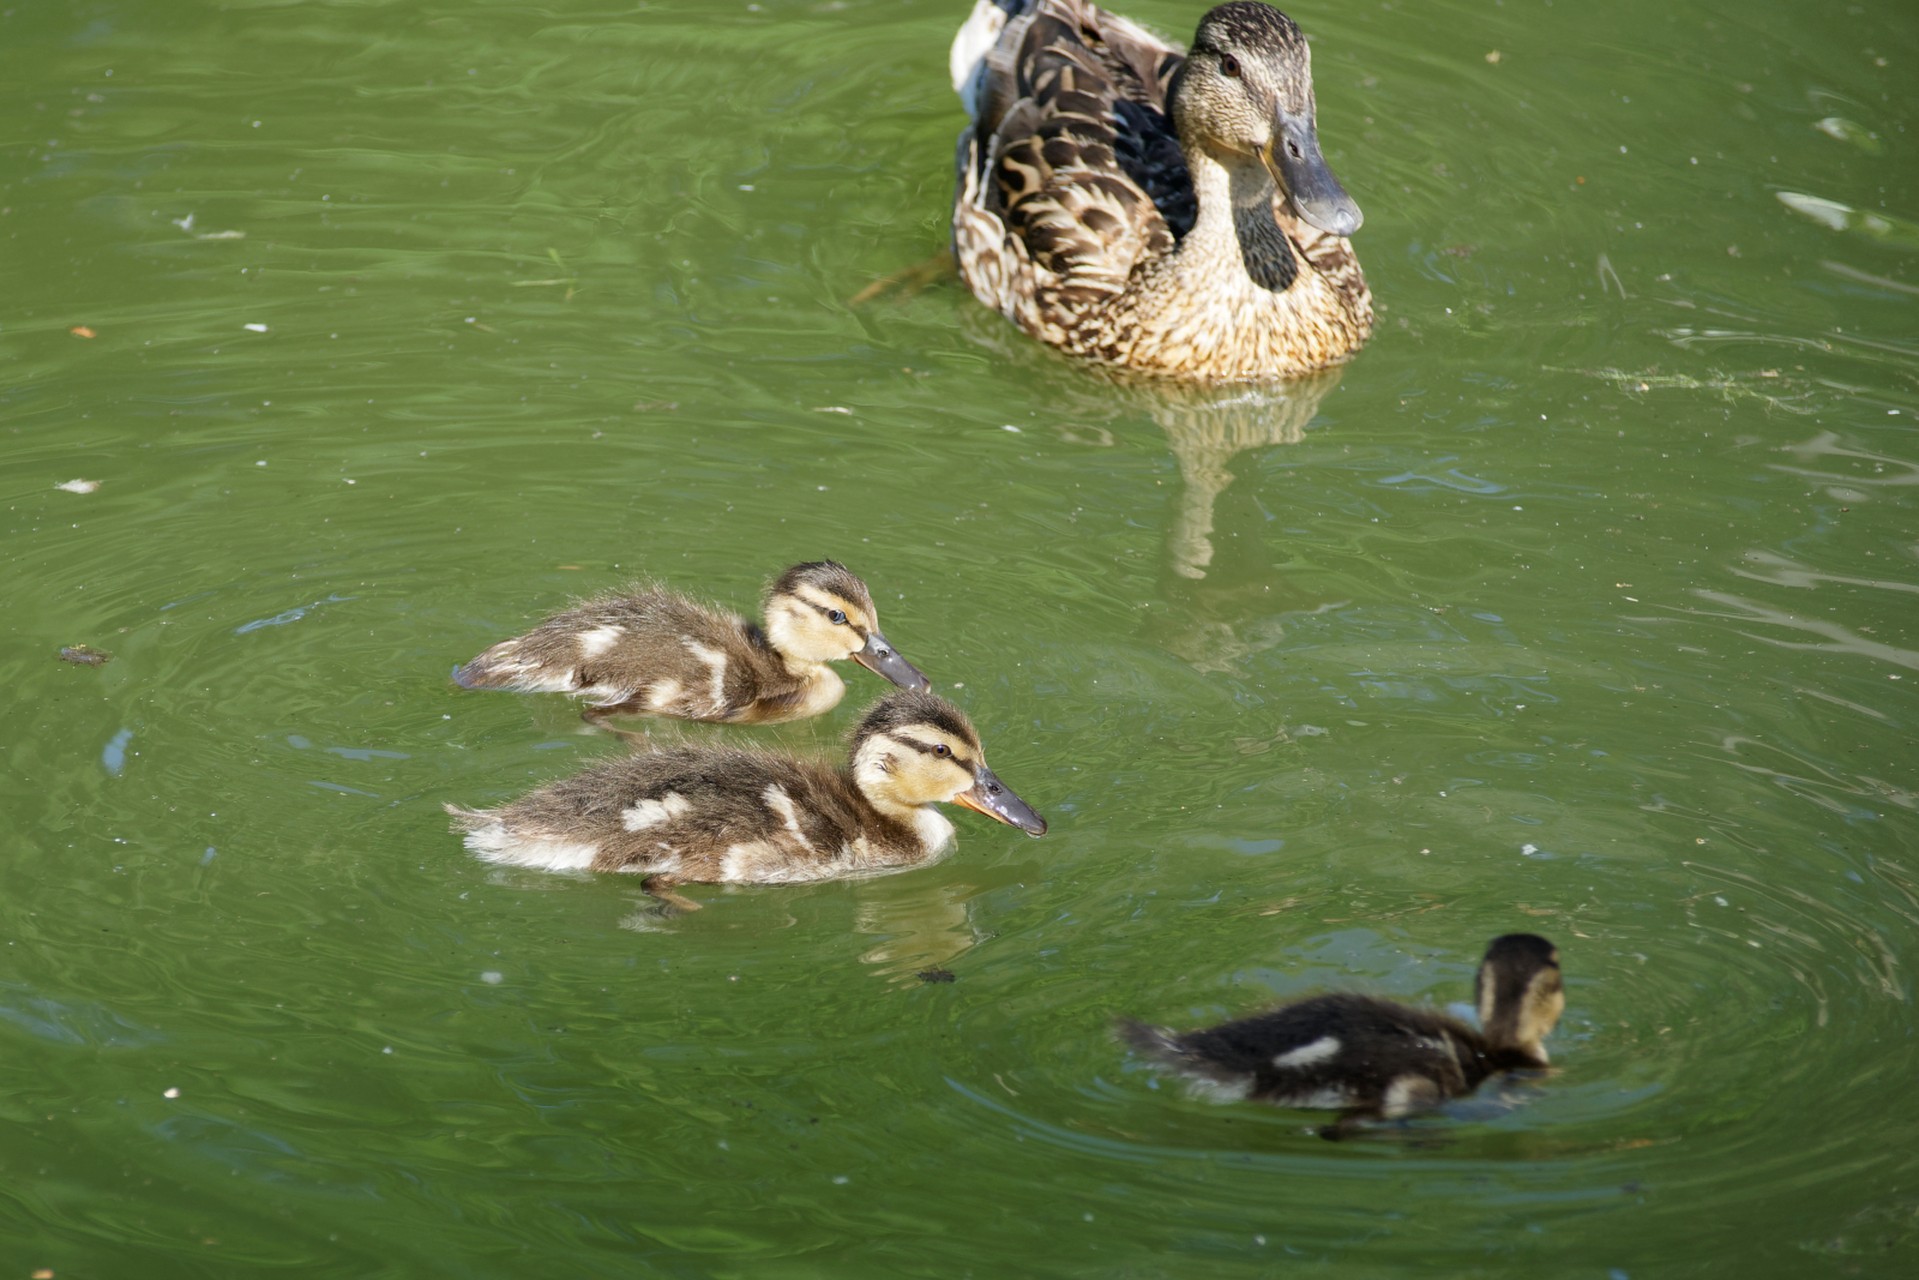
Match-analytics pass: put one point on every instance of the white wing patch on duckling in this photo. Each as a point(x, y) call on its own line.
point(494, 843)
point(662, 694)
point(762, 862)
point(716, 663)
point(782, 806)
point(1320, 1050)
point(652, 813)
point(1406, 1093)
point(597, 641)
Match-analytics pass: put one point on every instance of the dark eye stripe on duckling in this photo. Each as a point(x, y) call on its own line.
point(846, 616)
point(932, 749)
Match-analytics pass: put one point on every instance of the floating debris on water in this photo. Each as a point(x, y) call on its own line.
point(113, 756)
point(291, 615)
point(85, 655)
point(936, 975)
point(78, 486)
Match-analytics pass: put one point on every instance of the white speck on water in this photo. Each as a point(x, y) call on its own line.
point(1259, 1240)
point(171, 1093)
point(79, 486)
point(1528, 849)
point(261, 463)
point(840, 1179)
point(254, 328)
point(386, 1049)
point(492, 977)
point(1015, 430)
point(1720, 900)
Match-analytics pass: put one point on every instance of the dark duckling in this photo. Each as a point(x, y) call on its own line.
point(1369, 1058)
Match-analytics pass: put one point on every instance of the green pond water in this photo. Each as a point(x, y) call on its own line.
point(1583, 602)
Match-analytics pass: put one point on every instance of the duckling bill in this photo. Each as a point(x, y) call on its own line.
point(1368, 1058)
point(715, 815)
point(655, 652)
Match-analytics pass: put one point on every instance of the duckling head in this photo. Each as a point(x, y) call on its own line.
point(820, 612)
point(1245, 94)
point(1519, 993)
point(915, 748)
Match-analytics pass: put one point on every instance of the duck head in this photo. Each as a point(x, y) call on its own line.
point(1245, 93)
point(1519, 993)
point(914, 748)
point(821, 612)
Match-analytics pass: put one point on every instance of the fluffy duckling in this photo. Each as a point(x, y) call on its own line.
point(658, 653)
point(712, 815)
point(1372, 1058)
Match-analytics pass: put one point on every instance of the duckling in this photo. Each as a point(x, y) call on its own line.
point(657, 653)
point(707, 815)
point(1161, 212)
point(1372, 1058)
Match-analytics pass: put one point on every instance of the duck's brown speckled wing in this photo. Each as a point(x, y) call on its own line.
point(1071, 175)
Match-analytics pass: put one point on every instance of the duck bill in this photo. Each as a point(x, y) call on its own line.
point(990, 796)
point(1301, 172)
point(882, 659)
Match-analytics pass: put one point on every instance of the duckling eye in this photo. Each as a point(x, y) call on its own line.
point(941, 750)
point(1230, 65)
point(836, 616)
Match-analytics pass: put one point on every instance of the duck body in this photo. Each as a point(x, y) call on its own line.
point(726, 815)
point(656, 652)
point(1135, 206)
point(1371, 1058)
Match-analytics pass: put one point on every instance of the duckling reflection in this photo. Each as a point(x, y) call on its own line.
point(924, 925)
point(656, 652)
point(1368, 1058)
point(723, 815)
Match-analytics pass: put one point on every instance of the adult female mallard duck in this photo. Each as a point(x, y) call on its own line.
point(1164, 213)
point(656, 653)
point(1371, 1058)
point(712, 815)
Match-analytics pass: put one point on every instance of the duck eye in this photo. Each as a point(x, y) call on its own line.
point(836, 616)
point(941, 750)
point(1230, 65)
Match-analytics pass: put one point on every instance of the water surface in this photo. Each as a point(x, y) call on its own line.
point(1583, 602)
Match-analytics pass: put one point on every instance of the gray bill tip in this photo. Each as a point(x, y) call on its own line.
point(996, 800)
point(1303, 174)
point(883, 659)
